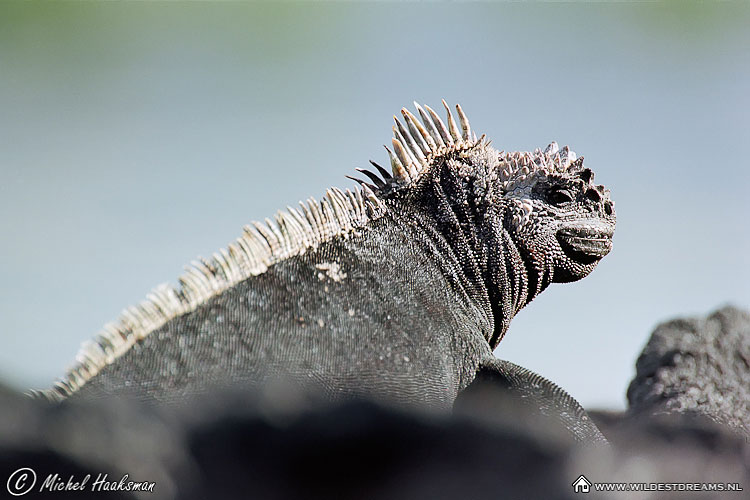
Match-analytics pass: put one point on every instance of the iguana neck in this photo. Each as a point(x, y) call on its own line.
point(466, 209)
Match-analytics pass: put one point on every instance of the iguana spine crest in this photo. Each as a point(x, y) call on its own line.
point(416, 145)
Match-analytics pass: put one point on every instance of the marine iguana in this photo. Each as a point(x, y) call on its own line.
point(399, 289)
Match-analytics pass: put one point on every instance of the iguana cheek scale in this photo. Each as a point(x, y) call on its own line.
point(399, 289)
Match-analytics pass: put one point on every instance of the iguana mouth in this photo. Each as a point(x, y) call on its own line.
point(585, 244)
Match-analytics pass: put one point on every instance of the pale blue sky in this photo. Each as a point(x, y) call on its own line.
point(135, 137)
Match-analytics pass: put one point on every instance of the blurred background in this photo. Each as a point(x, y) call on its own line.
point(136, 136)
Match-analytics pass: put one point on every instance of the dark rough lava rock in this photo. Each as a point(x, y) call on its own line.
point(249, 445)
point(364, 451)
point(500, 442)
point(283, 446)
point(668, 448)
point(697, 366)
point(112, 437)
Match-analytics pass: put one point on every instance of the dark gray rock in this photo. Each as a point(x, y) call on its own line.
point(284, 445)
point(111, 437)
point(505, 439)
point(278, 445)
point(360, 450)
point(669, 448)
point(699, 365)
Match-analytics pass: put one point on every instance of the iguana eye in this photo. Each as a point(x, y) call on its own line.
point(560, 196)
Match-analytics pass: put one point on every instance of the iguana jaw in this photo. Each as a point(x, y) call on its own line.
point(585, 243)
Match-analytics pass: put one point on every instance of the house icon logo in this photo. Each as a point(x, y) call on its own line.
point(581, 485)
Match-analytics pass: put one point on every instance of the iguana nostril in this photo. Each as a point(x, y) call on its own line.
point(608, 208)
point(587, 175)
point(593, 195)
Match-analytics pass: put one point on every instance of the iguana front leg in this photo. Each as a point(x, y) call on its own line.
point(506, 394)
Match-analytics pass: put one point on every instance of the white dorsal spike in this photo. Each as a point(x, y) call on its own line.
point(345, 212)
point(284, 230)
point(404, 154)
point(212, 271)
point(409, 154)
point(207, 267)
point(571, 156)
point(307, 213)
point(452, 127)
point(444, 133)
point(552, 148)
point(326, 215)
point(252, 237)
point(341, 197)
point(225, 265)
point(304, 225)
point(247, 250)
point(317, 217)
point(238, 255)
point(193, 285)
point(298, 218)
point(158, 298)
point(437, 141)
point(422, 127)
point(356, 199)
point(414, 126)
point(410, 142)
point(410, 129)
point(414, 169)
point(289, 225)
point(368, 193)
point(374, 202)
point(271, 240)
point(275, 231)
point(399, 169)
point(202, 270)
point(232, 264)
point(329, 216)
point(351, 201)
point(464, 123)
point(311, 216)
point(567, 157)
point(418, 132)
point(338, 209)
point(358, 196)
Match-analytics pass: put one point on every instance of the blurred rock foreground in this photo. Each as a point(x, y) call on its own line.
point(688, 421)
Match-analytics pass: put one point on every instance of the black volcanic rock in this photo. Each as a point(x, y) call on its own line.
point(699, 366)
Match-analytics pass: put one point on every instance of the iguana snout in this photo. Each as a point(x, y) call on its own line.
point(585, 243)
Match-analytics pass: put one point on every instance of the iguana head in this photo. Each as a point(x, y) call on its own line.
point(555, 212)
point(521, 220)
